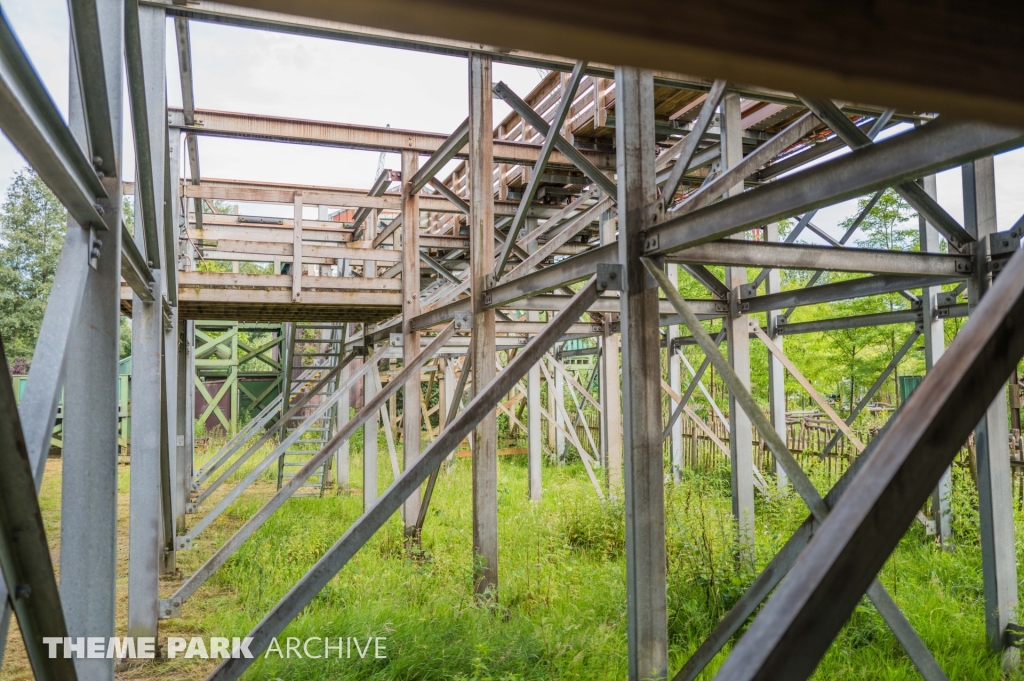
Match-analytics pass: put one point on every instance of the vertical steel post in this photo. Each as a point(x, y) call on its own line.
point(776, 372)
point(646, 609)
point(535, 455)
point(297, 248)
point(148, 398)
point(190, 399)
point(341, 457)
point(483, 350)
point(934, 346)
point(738, 333)
point(185, 331)
point(89, 483)
point(533, 431)
point(675, 366)
point(182, 470)
point(411, 416)
point(611, 398)
point(369, 442)
point(995, 494)
point(559, 418)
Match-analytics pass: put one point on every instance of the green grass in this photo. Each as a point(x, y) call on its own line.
point(560, 612)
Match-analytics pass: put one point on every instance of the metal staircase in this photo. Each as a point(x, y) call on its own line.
point(313, 349)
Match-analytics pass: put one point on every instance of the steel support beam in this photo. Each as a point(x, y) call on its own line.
point(24, 554)
point(802, 257)
point(737, 324)
point(88, 551)
point(412, 423)
point(932, 327)
point(687, 147)
point(777, 403)
point(811, 604)
point(446, 152)
point(232, 125)
point(928, 149)
point(924, 204)
point(553, 134)
point(34, 125)
point(646, 608)
point(370, 450)
point(378, 188)
point(887, 608)
point(483, 351)
point(408, 482)
point(841, 290)
point(577, 157)
point(995, 494)
point(611, 388)
point(184, 421)
point(145, 499)
point(535, 452)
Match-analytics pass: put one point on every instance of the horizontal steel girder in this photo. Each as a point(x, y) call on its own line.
point(350, 136)
point(923, 151)
point(555, 302)
point(800, 257)
point(860, 321)
point(840, 290)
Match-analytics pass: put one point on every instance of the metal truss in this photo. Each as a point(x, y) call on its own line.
point(686, 189)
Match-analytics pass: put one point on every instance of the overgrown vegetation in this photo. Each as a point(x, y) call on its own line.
point(560, 612)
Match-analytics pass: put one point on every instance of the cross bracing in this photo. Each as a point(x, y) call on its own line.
point(550, 240)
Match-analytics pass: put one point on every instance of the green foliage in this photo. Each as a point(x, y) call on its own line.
point(560, 613)
point(593, 525)
point(32, 226)
point(888, 224)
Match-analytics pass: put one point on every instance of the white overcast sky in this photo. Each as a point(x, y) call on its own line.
point(270, 73)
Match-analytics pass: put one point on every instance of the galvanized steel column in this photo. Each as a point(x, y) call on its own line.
point(369, 442)
point(611, 398)
point(647, 623)
point(995, 495)
point(147, 387)
point(675, 366)
point(88, 549)
point(776, 372)
point(481, 265)
point(934, 346)
point(738, 334)
point(411, 417)
point(533, 408)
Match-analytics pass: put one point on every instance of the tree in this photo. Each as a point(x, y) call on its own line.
point(888, 224)
point(32, 227)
